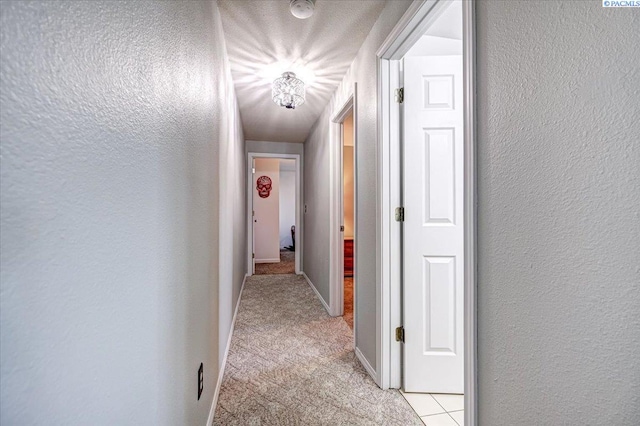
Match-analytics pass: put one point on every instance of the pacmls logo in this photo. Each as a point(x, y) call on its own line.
point(620, 3)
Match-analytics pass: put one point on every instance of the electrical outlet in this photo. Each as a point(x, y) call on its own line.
point(200, 381)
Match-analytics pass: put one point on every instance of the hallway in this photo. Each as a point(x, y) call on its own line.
point(126, 129)
point(296, 365)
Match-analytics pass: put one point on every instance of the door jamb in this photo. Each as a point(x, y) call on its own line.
point(404, 35)
point(298, 189)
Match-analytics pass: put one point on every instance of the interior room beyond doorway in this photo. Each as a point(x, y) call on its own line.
point(348, 200)
point(274, 201)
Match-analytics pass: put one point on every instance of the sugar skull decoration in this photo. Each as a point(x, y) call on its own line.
point(264, 186)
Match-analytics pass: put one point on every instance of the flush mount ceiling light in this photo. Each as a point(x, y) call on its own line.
point(288, 91)
point(302, 9)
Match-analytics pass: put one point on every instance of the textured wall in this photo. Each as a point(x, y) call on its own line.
point(231, 182)
point(316, 202)
point(363, 70)
point(558, 217)
point(114, 116)
point(275, 147)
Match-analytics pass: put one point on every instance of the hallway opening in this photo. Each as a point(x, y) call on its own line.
point(348, 216)
point(274, 203)
point(273, 195)
point(430, 153)
point(343, 193)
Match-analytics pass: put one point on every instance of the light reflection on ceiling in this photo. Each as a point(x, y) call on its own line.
point(264, 40)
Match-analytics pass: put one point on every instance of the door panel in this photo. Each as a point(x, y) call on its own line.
point(433, 226)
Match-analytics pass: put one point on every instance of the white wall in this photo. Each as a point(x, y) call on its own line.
point(363, 70)
point(119, 135)
point(558, 213)
point(287, 201)
point(232, 206)
point(267, 212)
point(275, 147)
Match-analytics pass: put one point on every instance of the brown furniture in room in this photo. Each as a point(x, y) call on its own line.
point(348, 258)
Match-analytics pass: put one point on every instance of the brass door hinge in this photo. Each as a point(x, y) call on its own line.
point(400, 334)
point(253, 255)
point(399, 214)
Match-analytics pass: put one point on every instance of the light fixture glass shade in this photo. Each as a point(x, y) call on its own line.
point(288, 91)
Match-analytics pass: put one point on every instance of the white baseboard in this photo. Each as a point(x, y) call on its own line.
point(216, 393)
point(273, 260)
point(366, 365)
point(313, 287)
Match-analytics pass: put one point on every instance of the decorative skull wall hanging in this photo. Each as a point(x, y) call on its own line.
point(264, 186)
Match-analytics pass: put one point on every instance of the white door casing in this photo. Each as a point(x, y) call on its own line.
point(433, 228)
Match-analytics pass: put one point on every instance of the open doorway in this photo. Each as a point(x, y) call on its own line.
point(343, 218)
point(433, 226)
point(429, 252)
point(274, 213)
point(348, 216)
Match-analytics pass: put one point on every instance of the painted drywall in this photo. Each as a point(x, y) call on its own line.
point(266, 147)
point(267, 212)
point(231, 183)
point(558, 213)
point(363, 70)
point(287, 201)
point(118, 127)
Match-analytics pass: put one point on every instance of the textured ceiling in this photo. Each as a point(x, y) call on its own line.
point(264, 40)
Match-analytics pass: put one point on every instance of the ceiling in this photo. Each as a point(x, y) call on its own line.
point(264, 40)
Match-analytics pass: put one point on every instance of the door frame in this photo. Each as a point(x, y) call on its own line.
point(336, 215)
point(404, 35)
point(251, 156)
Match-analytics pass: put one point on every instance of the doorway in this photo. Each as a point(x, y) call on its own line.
point(428, 166)
point(432, 193)
point(343, 218)
point(273, 200)
point(348, 216)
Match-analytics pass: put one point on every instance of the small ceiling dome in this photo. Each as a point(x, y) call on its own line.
point(302, 9)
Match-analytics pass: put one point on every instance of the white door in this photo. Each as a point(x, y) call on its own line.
point(433, 226)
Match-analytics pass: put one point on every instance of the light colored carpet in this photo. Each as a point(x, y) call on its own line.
point(292, 364)
point(287, 265)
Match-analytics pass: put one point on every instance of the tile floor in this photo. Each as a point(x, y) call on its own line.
point(437, 409)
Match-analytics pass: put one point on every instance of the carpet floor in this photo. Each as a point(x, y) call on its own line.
point(287, 265)
point(290, 363)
